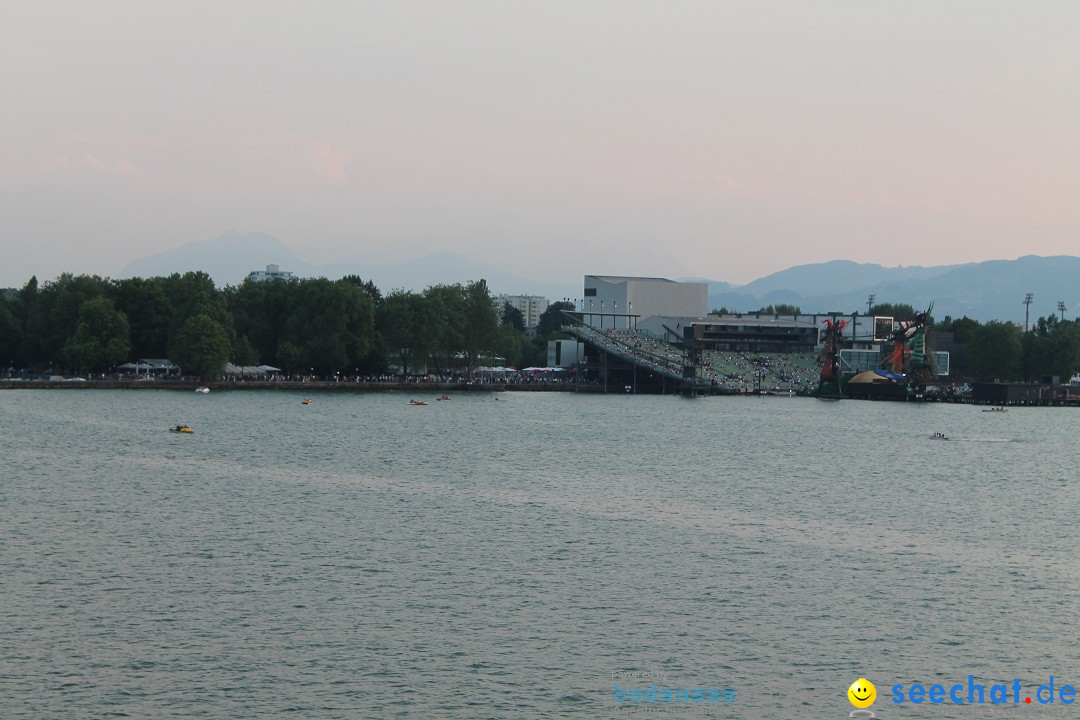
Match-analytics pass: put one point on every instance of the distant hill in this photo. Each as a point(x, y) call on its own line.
point(715, 286)
point(228, 260)
point(445, 267)
point(991, 290)
point(840, 276)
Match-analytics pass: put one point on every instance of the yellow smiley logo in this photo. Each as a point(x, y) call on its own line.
point(862, 693)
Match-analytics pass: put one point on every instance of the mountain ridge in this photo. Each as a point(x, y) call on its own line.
point(229, 258)
point(986, 290)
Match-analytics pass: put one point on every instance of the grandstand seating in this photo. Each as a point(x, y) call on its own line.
point(778, 372)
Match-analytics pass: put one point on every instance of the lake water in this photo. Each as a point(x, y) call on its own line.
point(505, 555)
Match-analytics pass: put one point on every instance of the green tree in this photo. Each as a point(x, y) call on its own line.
point(1049, 349)
point(552, 320)
point(367, 286)
point(964, 329)
point(288, 356)
point(1065, 350)
point(11, 335)
point(202, 347)
point(1045, 326)
point(332, 323)
point(375, 360)
point(1035, 355)
point(995, 352)
point(190, 295)
point(55, 313)
point(27, 308)
point(260, 310)
point(511, 344)
point(149, 313)
point(102, 339)
point(244, 353)
point(358, 309)
point(533, 353)
point(781, 309)
point(446, 323)
point(513, 317)
point(899, 311)
point(403, 326)
point(193, 293)
point(481, 324)
point(325, 354)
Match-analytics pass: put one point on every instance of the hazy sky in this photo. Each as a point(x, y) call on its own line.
point(717, 139)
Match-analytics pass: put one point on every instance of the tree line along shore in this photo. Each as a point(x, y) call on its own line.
point(86, 325)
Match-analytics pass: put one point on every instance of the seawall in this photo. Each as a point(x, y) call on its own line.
point(317, 386)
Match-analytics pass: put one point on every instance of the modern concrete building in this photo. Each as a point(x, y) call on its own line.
point(620, 302)
point(272, 272)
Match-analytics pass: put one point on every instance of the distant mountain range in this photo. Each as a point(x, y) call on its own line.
point(230, 258)
point(991, 290)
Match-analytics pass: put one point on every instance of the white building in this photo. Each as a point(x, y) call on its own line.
point(272, 272)
point(619, 302)
point(531, 307)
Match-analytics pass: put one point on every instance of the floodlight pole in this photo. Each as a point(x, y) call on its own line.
point(1027, 310)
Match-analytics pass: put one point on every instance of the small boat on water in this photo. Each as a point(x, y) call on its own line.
point(939, 436)
point(417, 402)
point(181, 429)
point(445, 397)
point(305, 401)
point(1001, 409)
point(203, 389)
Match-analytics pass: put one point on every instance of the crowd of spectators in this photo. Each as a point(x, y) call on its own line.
point(639, 347)
point(478, 377)
point(740, 371)
point(746, 372)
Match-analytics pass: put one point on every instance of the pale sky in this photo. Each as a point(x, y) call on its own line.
point(719, 139)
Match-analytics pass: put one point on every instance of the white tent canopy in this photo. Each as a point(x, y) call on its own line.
point(231, 369)
point(135, 367)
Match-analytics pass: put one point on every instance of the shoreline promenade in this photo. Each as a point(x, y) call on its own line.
point(296, 385)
